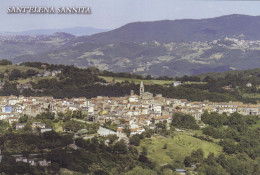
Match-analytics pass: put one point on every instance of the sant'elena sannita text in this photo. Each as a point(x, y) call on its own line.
point(49, 10)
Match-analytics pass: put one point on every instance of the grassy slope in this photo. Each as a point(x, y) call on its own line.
point(137, 81)
point(257, 125)
point(178, 147)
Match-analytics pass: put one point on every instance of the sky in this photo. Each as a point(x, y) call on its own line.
point(111, 14)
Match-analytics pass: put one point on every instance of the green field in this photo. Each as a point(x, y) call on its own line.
point(136, 81)
point(178, 147)
point(193, 82)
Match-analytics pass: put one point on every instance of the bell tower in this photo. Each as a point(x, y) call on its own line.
point(141, 88)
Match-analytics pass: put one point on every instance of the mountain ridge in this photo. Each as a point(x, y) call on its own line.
point(78, 31)
point(182, 30)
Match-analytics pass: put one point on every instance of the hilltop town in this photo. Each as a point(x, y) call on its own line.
point(137, 111)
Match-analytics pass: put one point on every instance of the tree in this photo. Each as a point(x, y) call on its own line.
point(46, 115)
point(73, 125)
point(148, 133)
point(31, 72)
point(184, 121)
point(78, 114)
point(23, 119)
point(15, 74)
point(120, 147)
point(9, 89)
point(214, 119)
point(3, 126)
point(195, 157)
point(144, 151)
point(188, 161)
point(135, 140)
point(112, 138)
point(55, 167)
point(140, 170)
point(5, 62)
point(2, 75)
point(229, 146)
point(61, 115)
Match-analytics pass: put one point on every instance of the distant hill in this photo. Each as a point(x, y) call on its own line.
point(12, 46)
point(79, 31)
point(173, 48)
point(154, 58)
point(185, 30)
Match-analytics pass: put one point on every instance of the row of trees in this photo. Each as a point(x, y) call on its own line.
point(76, 82)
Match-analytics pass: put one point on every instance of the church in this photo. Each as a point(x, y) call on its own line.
point(143, 94)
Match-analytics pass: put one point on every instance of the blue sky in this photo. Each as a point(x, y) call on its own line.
point(110, 14)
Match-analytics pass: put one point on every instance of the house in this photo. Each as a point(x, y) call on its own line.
point(7, 109)
point(13, 100)
point(19, 126)
point(38, 125)
point(137, 131)
point(176, 83)
point(228, 88)
point(120, 130)
point(31, 162)
point(197, 115)
point(249, 109)
point(44, 162)
point(73, 146)
point(12, 119)
point(105, 132)
point(45, 130)
point(181, 171)
point(43, 66)
point(33, 110)
point(5, 116)
point(55, 73)
point(162, 118)
point(46, 73)
point(133, 98)
point(249, 85)
point(157, 108)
